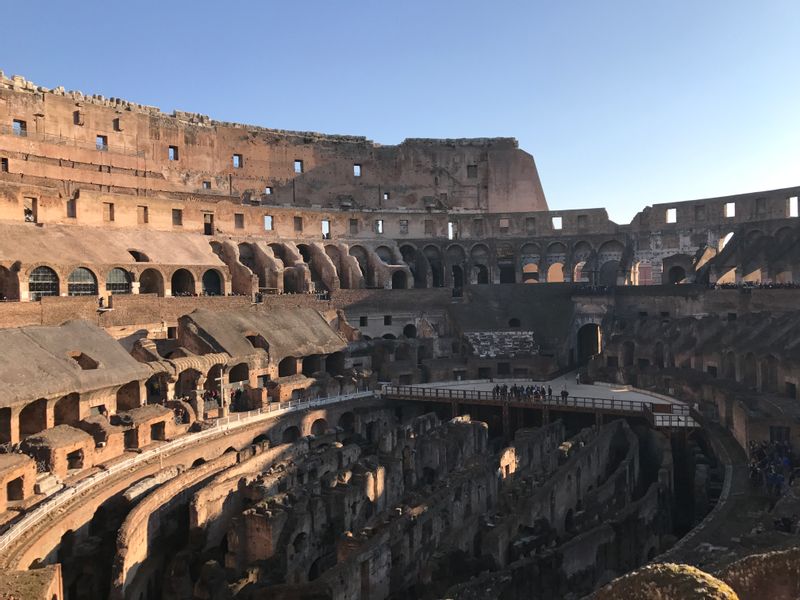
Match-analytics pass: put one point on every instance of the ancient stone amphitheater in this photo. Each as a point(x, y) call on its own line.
point(243, 363)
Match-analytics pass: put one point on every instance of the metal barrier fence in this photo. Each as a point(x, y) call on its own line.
point(51, 138)
point(223, 424)
point(678, 417)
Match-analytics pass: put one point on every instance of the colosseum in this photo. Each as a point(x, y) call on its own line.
point(242, 363)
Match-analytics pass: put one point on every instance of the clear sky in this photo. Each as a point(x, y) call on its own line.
point(623, 103)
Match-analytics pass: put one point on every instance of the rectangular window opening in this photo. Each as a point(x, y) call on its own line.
point(404, 226)
point(19, 127)
point(31, 209)
point(386, 195)
point(356, 170)
point(793, 208)
point(173, 153)
point(142, 215)
point(101, 142)
point(72, 209)
point(268, 190)
point(177, 217)
point(206, 185)
point(451, 230)
point(379, 226)
point(298, 166)
point(4, 166)
point(730, 210)
point(429, 227)
point(504, 225)
point(238, 161)
point(267, 222)
point(117, 124)
point(298, 223)
point(672, 215)
point(353, 226)
point(387, 319)
point(557, 222)
point(363, 321)
point(472, 171)
point(326, 229)
point(108, 211)
point(238, 220)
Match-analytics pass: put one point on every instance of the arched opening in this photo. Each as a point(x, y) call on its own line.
point(151, 282)
point(213, 378)
point(128, 396)
point(118, 282)
point(769, 374)
point(458, 276)
point(530, 273)
point(139, 256)
point(389, 336)
point(43, 281)
point(385, 255)
point(588, 342)
point(507, 272)
point(416, 263)
point(312, 365)
point(186, 386)
point(434, 256)
point(288, 366)
point(67, 410)
point(261, 438)
point(82, 282)
point(33, 418)
point(347, 422)
point(14, 489)
point(156, 387)
point(199, 462)
point(514, 323)
point(729, 366)
point(724, 240)
point(182, 283)
point(676, 274)
point(212, 283)
point(290, 435)
point(319, 427)
point(360, 254)
point(239, 373)
point(750, 374)
point(9, 284)
point(555, 273)
point(481, 274)
point(627, 353)
point(410, 331)
point(334, 363)
point(398, 280)
point(607, 275)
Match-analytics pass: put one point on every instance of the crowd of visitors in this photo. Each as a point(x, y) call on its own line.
point(772, 465)
point(525, 392)
point(755, 285)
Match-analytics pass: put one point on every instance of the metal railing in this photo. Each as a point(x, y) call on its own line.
point(678, 417)
point(220, 425)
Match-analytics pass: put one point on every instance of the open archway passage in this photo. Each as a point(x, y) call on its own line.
point(588, 342)
point(212, 283)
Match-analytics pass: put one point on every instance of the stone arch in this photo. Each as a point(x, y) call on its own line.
point(213, 283)
point(182, 283)
point(769, 374)
point(555, 273)
point(362, 258)
point(749, 368)
point(33, 418)
point(514, 323)
point(129, 396)
point(607, 274)
point(481, 274)
point(729, 366)
point(580, 273)
point(213, 378)
point(724, 240)
point(239, 373)
point(82, 282)
point(416, 264)
point(385, 254)
point(187, 383)
point(118, 281)
point(434, 257)
point(676, 274)
point(588, 342)
point(319, 427)
point(287, 367)
point(67, 410)
point(335, 256)
point(151, 281)
point(290, 435)
point(139, 256)
point(410, 331)
point(43, 281)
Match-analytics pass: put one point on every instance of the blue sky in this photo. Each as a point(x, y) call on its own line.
point(623, 103)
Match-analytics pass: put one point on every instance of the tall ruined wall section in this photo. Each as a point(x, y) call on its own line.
point(294, 168)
